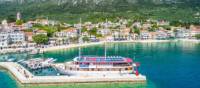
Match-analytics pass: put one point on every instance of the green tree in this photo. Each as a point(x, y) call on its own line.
point(40, 39)
point(137, 31)
point(197, 36)
point(98, 35)
point(152, 29)
point(93, 31)
point(49, 29)
point(86, 39)
point(84, 29)
point(19, 22)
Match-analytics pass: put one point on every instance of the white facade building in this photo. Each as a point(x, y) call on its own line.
point(104, 31)
point(161, 34)
point(17, 37)
point(70, 33)
point(145, 35)
point(6, 38)
point(183, 33)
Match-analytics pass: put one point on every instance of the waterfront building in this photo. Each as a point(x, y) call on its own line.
point(8, 38)
point(28, 36)
point(93, 38)
point(103, 32)
point(161, 34)
point(4, 40)
point(145, 35)
point(115, 35)
point(154, 35)
point(183, 33)
point(52, 41)
point(109, 38)
point(135, 36)
point(194, 30)
point(17, 36)
point(170, 34)
point(69, 33)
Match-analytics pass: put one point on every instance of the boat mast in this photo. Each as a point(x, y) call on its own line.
point(105, 52)
point(79, 29)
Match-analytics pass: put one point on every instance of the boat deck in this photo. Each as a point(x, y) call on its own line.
point(25, 77)
point(114, 59)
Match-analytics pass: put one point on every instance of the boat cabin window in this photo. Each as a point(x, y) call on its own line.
point(121, 64)
point(76, 63)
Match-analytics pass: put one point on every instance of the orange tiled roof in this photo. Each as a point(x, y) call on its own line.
point(195, 28)
point(28, 33)
point(41, 31)
point(69, 30)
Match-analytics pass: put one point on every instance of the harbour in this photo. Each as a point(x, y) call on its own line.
point(25, 77)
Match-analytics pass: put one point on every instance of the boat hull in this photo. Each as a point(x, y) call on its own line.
point(94, 73)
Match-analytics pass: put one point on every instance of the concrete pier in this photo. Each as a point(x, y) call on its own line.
point(25, 77)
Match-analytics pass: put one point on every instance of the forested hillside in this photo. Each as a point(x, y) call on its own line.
point(97, 10)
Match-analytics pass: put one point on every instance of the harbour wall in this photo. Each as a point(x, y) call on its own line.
point(25, 77)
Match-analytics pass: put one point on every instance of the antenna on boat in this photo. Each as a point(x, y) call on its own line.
point(79, 29)
point(134, 53)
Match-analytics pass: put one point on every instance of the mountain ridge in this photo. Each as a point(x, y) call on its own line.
point(59, 9)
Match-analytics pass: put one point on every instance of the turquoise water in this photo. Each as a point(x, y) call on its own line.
point(166, 65)
point(6, 81)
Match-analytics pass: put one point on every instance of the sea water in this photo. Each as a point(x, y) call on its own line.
point(166, 65)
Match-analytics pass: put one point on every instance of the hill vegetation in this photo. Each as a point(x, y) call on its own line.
point(98, 10)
